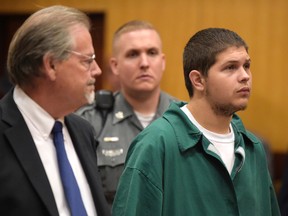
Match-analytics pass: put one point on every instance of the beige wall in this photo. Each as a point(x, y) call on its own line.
point(262, 23)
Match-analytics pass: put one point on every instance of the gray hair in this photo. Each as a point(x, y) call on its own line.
point(45, 31)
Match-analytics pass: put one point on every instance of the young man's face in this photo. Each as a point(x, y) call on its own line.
point(138, 61)
point(229, 81)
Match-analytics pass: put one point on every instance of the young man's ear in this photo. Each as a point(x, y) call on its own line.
point(197, 80)
point(163, 62)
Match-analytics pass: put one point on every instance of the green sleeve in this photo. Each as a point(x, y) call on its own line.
point(274, 202)
point(136, 195)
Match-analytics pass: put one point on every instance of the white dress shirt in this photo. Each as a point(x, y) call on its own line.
point(40, 124)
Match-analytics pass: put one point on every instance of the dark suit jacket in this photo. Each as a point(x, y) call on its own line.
point(24, 186)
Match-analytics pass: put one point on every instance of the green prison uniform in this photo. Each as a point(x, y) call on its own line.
point(171, 169)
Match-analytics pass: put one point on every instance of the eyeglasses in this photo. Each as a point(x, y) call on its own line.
point(87, 62)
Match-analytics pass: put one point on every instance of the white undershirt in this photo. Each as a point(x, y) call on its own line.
point(224, 143)
point(145, 120)
point(40, 125)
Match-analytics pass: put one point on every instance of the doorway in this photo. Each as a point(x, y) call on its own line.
point(9, 23)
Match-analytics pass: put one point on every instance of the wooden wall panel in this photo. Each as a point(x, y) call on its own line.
point(262, 23)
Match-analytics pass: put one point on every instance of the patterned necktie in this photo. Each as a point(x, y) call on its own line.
point(71, 189)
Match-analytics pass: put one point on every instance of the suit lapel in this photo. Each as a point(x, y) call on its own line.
point(25, 150)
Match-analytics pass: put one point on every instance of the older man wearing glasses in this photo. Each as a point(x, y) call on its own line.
point(47, 158)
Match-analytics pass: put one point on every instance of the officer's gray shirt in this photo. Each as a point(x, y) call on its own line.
point(120, 128)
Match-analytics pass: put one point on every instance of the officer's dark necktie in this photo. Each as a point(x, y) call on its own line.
point(71, 189)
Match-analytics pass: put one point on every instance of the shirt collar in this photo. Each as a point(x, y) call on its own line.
point(36, 115)
point(123, 110)
point(178, 119)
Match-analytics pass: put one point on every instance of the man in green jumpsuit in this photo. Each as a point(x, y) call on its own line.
point(198, 159)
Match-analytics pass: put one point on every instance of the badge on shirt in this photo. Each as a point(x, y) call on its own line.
point(112, 153)
point(119, 115)
point(111, 139)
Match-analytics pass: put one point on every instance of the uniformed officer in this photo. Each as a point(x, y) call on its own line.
point(138, 63)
